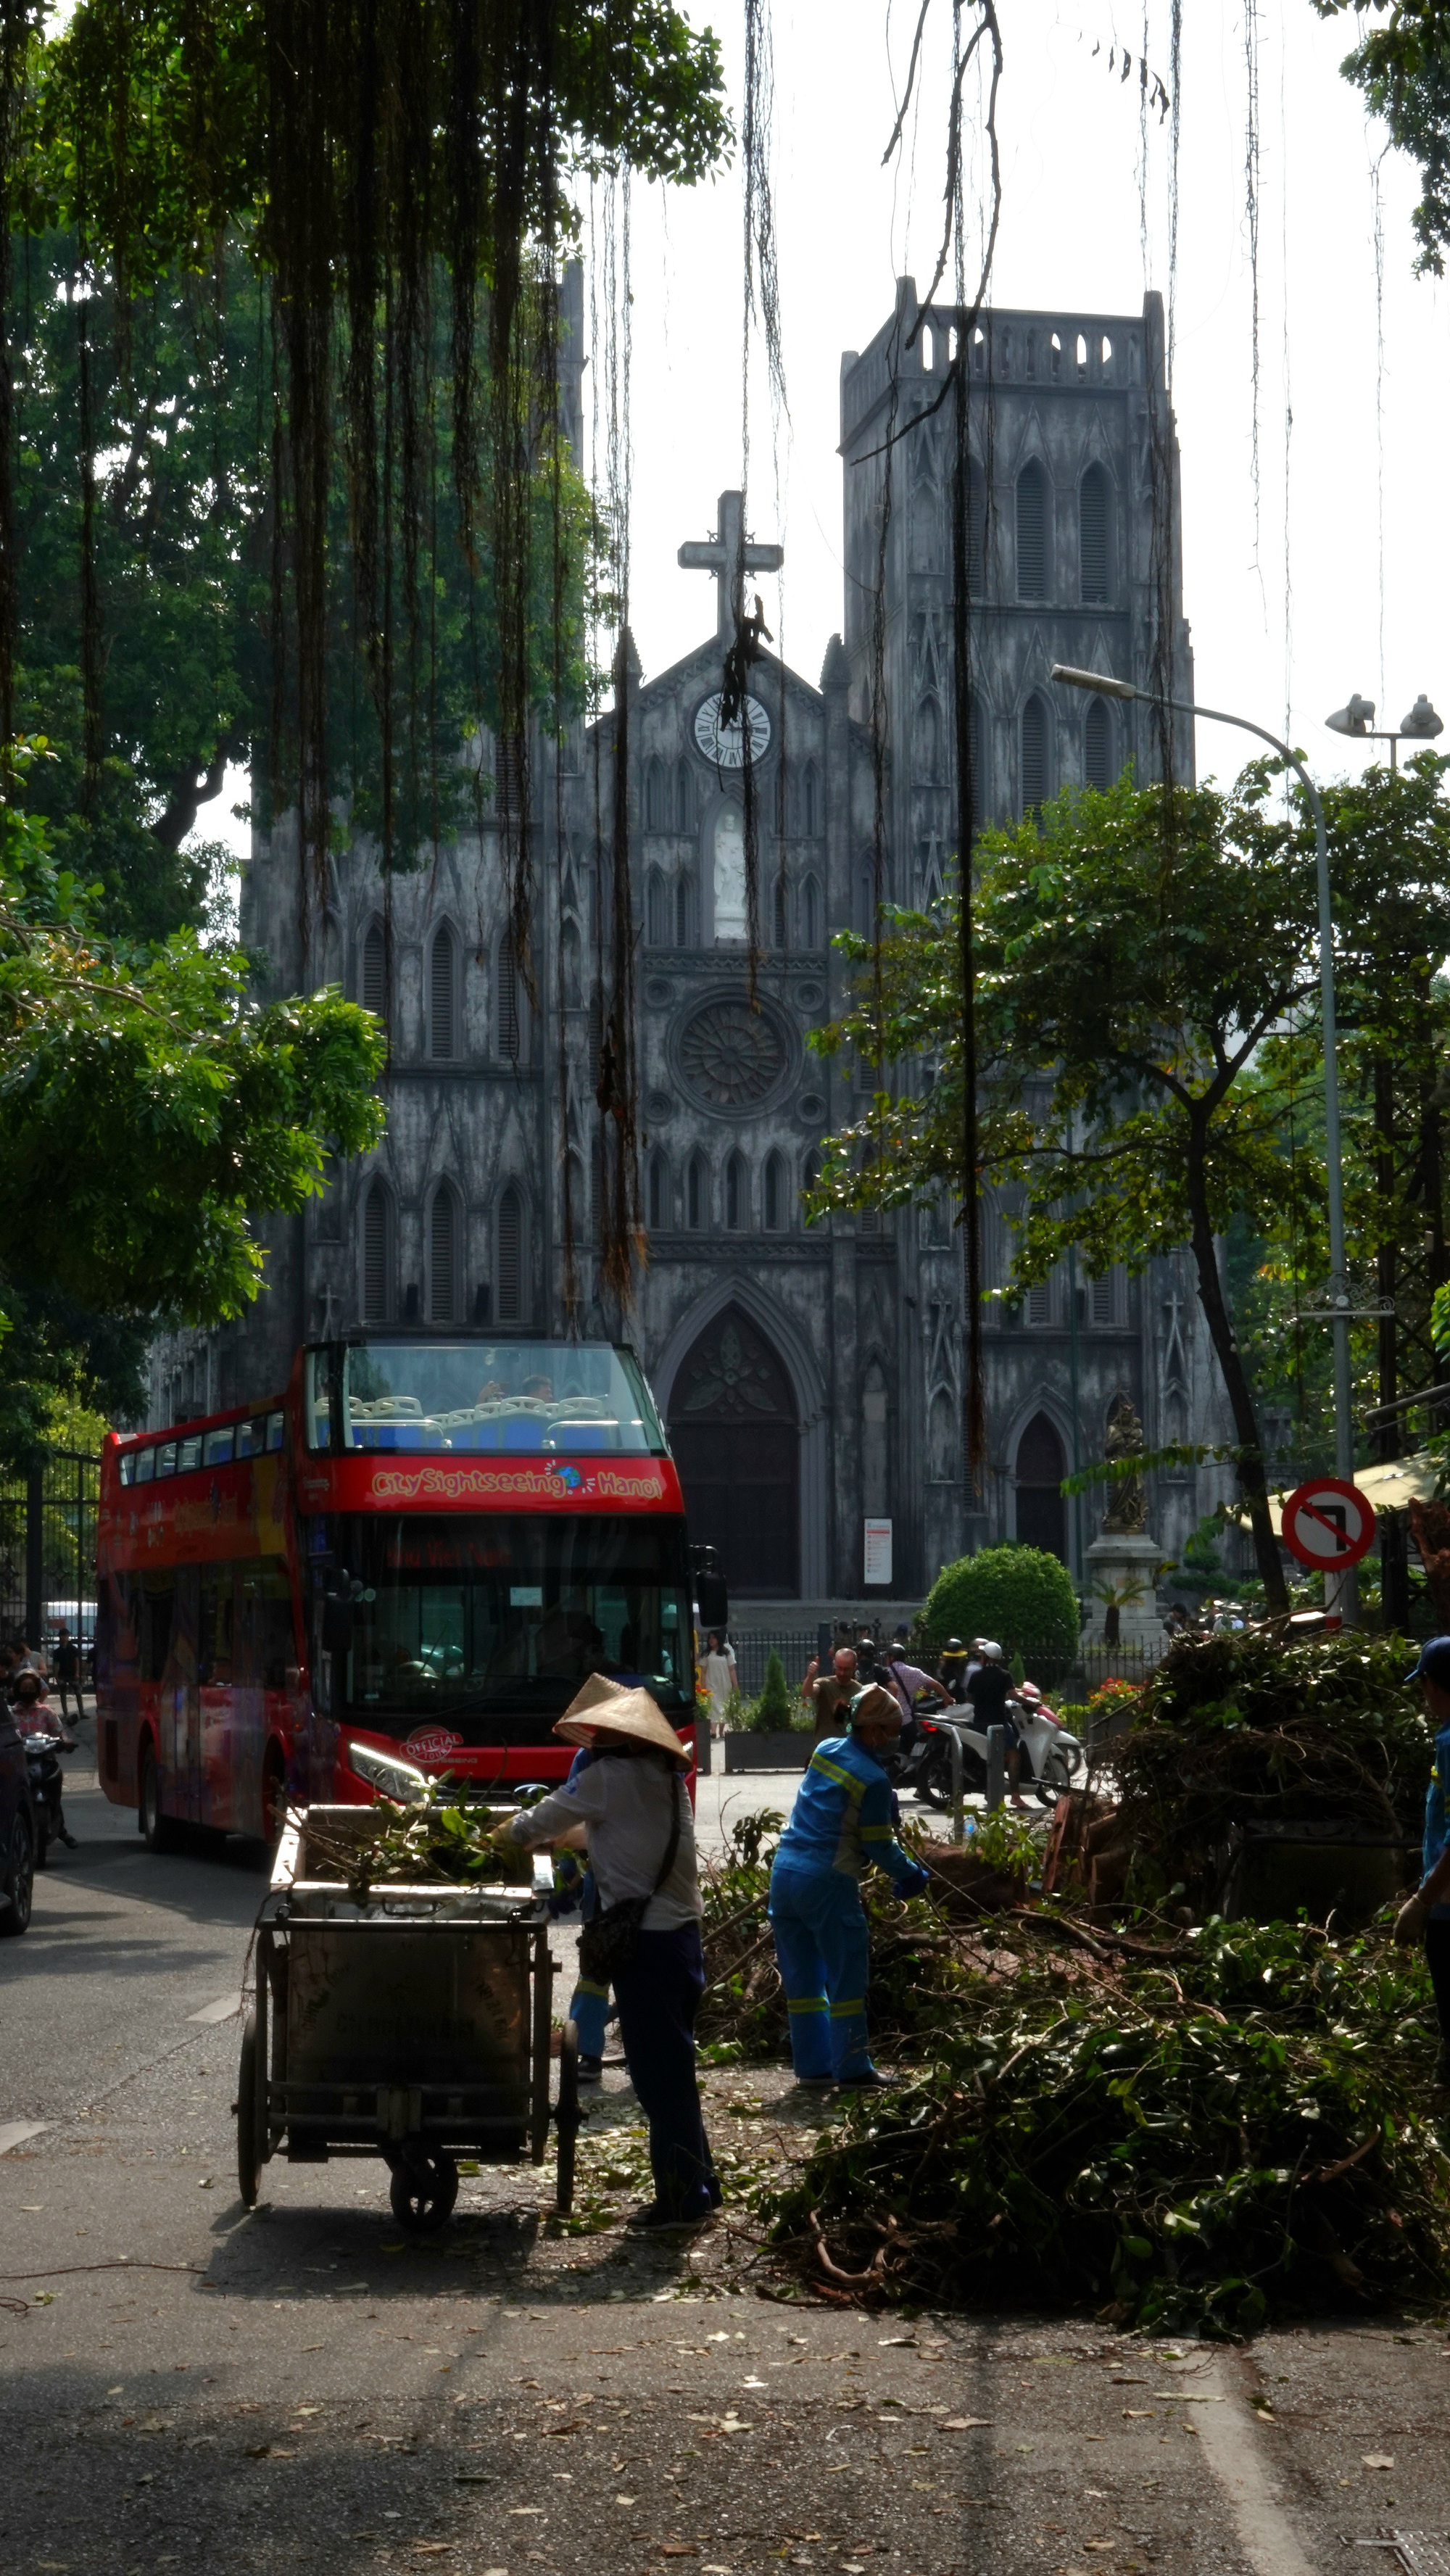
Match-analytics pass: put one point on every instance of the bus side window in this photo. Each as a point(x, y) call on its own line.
point(265, 1644)
point(158, 1607)
point(214, 1635)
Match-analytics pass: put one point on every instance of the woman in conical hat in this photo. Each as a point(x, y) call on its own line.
point(634, 1806)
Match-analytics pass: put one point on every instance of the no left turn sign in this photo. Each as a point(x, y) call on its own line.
point(1328, 1524)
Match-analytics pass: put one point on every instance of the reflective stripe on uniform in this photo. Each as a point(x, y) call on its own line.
point(807, 2004)
point(847, 1780)
point(585, 1988)
point(843, 2012)
point(876, 1833)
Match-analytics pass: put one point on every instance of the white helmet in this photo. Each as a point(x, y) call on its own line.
point(991, 1650)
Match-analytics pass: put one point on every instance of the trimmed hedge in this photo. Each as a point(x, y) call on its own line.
point(1020, 1595)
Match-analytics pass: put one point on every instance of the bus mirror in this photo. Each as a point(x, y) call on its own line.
point(712, 1600)
point(336, 1623)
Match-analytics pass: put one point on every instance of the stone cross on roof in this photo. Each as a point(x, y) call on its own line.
point(729, 555)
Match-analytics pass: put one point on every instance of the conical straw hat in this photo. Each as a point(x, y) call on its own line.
point(606, 1706)
point(874, 1705)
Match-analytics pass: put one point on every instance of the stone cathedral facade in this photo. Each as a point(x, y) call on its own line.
point(811, 1376)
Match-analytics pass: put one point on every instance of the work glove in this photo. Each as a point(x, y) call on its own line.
point(1411, 1919)
point(918, 1882)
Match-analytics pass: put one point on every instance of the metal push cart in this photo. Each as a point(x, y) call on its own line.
point(414, 2026)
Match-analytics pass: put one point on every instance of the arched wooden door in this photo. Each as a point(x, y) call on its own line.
point(1041, 1510)
point(736, 1439)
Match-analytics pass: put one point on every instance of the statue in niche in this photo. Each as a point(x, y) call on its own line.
point(1127, 1512)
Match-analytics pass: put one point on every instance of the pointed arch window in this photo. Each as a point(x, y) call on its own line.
point(656, 797)
point(781, 912)
point(508, 1002)
point(571, 960)
point(658, 1193)
point(684, 798)
point(775, 1195)
point(1034, 755)
point(1032, 531)
point(1094, 527)
point(737, 1194)
point(685, 911)
point(375, 970)
point(811, 913)
point(376, 1256)
point(1098, 745)
point(509, 1261)
point(443, 1298)
point(697, 1193)
point(657, 910)
point(927, 743)
point(442, 1007)
point(811, 801)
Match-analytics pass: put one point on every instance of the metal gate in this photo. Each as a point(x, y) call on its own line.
point(48, 1546)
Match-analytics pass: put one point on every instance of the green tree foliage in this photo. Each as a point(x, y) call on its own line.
point(1157, 950)
point(1020, 1596)
point(1402, 64)
point(773, 1710)
point(148, 1112)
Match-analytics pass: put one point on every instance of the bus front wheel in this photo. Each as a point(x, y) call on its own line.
point(158, 1830)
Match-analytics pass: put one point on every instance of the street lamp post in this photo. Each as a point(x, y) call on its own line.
point(1337, 1306)
point(1357, 720)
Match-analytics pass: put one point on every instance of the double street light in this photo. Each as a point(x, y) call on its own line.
point(1357, 720)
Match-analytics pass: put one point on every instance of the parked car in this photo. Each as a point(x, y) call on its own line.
point(17, 1830)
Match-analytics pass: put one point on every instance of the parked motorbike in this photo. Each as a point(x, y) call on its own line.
point(1053, 1759)
point(47, 1784)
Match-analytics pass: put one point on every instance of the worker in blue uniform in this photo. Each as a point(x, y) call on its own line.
point(840, 1826)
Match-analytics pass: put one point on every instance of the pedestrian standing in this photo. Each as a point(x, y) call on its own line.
point(840, 1826)
point(67, 1671)
point(721, 1677)
point(832, 1694)
point(1425, 1916)
point(645, 1937)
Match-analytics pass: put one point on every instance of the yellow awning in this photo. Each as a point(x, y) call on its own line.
point(1388, 1487)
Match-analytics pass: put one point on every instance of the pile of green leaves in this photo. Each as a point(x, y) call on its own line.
point(434, 1840)
point(1243, 1726)
point(1240, 2126)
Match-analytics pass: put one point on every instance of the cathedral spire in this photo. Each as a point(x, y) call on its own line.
point(730, 555)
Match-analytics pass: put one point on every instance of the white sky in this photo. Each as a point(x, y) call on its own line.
point(1070, 235)
point(1275, 648)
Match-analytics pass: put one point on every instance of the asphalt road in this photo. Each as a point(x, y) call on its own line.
point(184, 2385)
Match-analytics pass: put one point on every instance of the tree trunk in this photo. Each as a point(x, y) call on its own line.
point(1241, 1403)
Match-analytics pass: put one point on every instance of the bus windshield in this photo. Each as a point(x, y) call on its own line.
point(479, 1396)
point(490, 1624)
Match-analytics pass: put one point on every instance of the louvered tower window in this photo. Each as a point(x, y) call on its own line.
point(509, 1268)
point(442, 1289)
point(1034, 755)
point(1093, 514)
point(440, 997)
point(375, 1255)
point(375, 970)
point(507, 1020)
point(1032, 532)
point(1098, 745)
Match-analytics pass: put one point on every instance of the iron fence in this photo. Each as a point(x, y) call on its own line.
point(1068, 1673)
point(48, 1545)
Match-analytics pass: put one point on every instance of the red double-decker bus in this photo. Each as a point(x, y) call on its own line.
point(423, 1546)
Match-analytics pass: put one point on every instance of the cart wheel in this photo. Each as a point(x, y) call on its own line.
point(423, 2193)
point(567, 2116)
point(249, 2170)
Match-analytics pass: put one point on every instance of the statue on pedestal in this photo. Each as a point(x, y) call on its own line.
point(1127, 1512)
